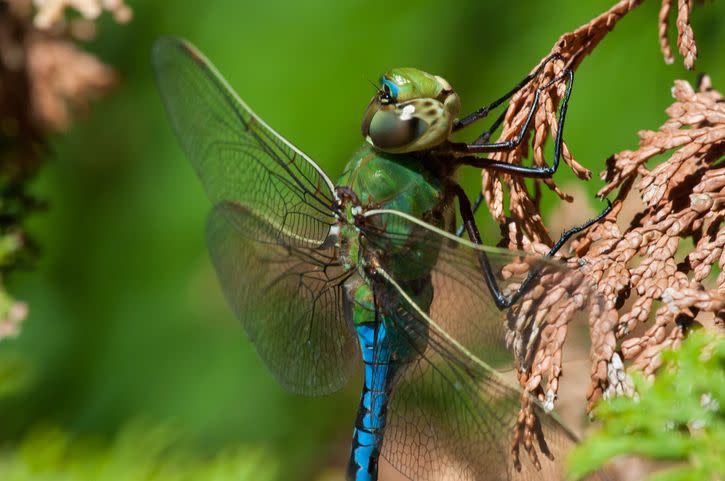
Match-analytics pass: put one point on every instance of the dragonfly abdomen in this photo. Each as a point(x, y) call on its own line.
point(378, 376)
point(369, 428)
point(388, 340)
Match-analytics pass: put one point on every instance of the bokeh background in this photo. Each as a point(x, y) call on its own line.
point(126, 320)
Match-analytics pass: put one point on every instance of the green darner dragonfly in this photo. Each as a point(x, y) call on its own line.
point(323, 274)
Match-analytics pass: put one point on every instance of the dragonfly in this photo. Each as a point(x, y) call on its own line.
point(326, 275)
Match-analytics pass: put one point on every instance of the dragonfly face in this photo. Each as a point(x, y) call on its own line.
point(412, 110)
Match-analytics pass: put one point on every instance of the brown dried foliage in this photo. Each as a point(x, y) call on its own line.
point(682, 198)
point(685, 36)
point(571, 48)
point(45, 78)
point(633, 282)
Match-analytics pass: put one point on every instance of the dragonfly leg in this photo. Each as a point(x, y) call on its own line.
point(475, 148)
point(476, 204)
point(483, 138)
point(464, 205)
point(502, 301)
point(484, 111)
point(555, 248)
point(514, 169)
point(482, 141)
point(577, 229)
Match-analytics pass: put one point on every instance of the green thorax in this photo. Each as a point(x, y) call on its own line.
point(395, 181)
point(408, 183)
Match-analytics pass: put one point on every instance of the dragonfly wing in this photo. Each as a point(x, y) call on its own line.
point(289, 299)
point(452, 419)
point(268, 229)
point(462, 304)
point(452, 415)
point(237, 156)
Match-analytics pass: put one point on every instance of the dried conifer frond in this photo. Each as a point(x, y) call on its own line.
point(682, 197)
point(643, 290)
point(570, 49)
point(639, 289)
point(685, 36)
point(636, 287)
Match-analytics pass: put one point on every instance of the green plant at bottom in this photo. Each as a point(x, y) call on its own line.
point(678, 417)
point(138, 453)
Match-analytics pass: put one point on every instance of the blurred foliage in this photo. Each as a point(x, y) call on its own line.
point(138, 453)
point(126, 318)
point(15, 373)
point(680, 417)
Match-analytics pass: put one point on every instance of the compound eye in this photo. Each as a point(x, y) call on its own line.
point(389, 130)
point(390, 92)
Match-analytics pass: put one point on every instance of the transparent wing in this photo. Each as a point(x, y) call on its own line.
point(267, 230)
point(236, 155)
point(452, 415)
point(408, 248)
point(289, 299)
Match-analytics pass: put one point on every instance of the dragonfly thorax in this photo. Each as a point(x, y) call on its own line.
point(412, 111)
point(375, 180)
point(348, 246)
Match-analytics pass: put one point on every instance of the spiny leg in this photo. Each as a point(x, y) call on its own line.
point(464, 206)
point(484, 111)
point(577, 229)
point(512, 143)
point(538, 172)
point(513, 169)
point(483, 138)
point(555, 248)
point(501, 300)
point(476, 204)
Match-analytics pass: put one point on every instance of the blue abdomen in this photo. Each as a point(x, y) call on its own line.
point(385, 343)
point(367, 439)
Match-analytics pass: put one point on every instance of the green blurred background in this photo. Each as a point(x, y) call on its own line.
point(126, 319)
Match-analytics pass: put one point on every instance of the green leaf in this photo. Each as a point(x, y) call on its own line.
point(679, 417)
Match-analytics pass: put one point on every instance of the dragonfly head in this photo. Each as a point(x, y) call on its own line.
point(412, 110)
